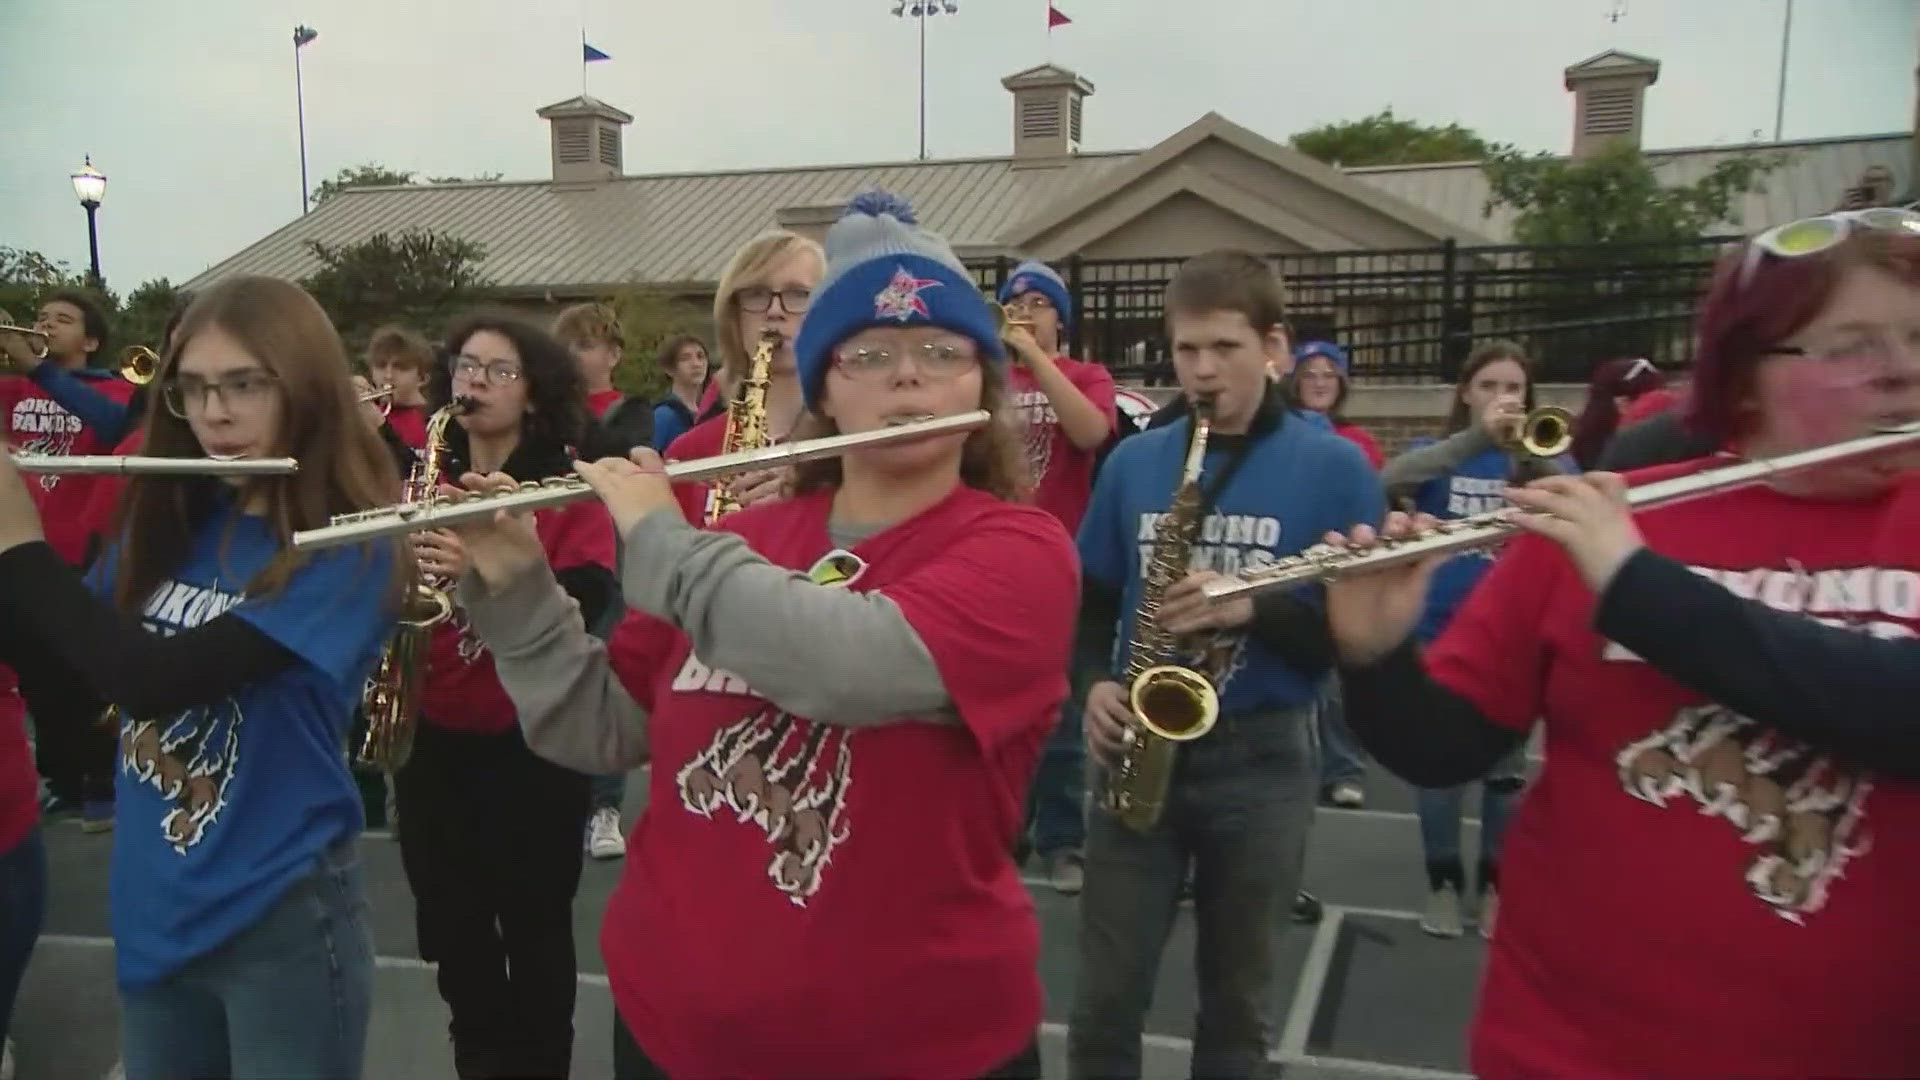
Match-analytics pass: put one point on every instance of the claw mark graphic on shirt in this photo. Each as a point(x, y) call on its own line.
point(786, 776)
point(1041, 422)
point(1804, 813)
point(190, 761)
point(467, 643)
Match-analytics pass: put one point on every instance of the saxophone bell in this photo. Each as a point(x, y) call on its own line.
point(1173, 702)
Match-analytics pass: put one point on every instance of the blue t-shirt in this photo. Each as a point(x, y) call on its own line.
point(1475, 486)
point(222, 807)
point(1299, 482)
point(671, 419)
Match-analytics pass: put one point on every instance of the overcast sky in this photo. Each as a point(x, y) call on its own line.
point(188, 107)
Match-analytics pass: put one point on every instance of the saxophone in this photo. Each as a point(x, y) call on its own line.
point(1171, 703)
point(392, 697)
point(746, 421)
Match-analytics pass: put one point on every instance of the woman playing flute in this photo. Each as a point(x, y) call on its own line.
point(843, 695)
point(1687, 890)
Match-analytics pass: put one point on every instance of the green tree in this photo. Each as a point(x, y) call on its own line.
point(143, 321)
point(1618, 258)
point(372, 174)
point(1385, 139)
point(25, 276)
point(417, 278)
point(649, 317)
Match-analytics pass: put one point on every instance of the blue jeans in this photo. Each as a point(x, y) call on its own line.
point(1440, 808)
point(1239, 811)
point(23, 899)
point(1340, 756)
point(609, 790)
point(288, 997)
point(1056, 807)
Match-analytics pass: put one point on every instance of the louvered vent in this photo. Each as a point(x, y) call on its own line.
point(1610, 112)
point(573, 141)
point(610, 146)
point(1040, 120)
point(1076, 119)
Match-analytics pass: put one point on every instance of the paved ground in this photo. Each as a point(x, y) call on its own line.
point(1366, 995)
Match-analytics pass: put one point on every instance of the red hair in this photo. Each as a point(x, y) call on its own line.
point(1627, 377)
point(1739, 321)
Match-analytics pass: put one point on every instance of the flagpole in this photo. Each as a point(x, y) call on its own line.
point(583, 59)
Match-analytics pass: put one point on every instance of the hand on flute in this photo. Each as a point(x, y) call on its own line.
point(499, 548)
point(1587, 515)
point(1371, 614)
point(632, 487)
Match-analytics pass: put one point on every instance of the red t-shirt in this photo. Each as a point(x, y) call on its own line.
point(410, 423)
point(38, 424)
point(1647, 404)
point(803, 899)
point(461, 691)
point(601, 400)
point(1062, 472)
point(701, 440)
point(19, 781)
point(1361, 438)
point(1684, 894)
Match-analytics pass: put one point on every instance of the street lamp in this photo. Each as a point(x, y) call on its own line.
point(921, 11)
point(90, 184)
point(301, 36)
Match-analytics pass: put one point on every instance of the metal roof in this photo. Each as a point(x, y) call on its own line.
point(681, 228)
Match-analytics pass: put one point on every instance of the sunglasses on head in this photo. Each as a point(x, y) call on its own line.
point(1811, 236)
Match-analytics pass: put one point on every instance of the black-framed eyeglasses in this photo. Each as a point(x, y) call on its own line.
point(238, 392)
point(759, 298)
point(935, 360)
point(471, 369)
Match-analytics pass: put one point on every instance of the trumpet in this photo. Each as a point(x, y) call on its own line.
point(133, 465)
point(560, 490)
point(139, 364)
point(384, 394)
point(1003, 320)
point(33, 337)
point(1322, 563)
point(1546, 432)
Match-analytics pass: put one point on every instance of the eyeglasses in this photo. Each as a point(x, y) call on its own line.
point(1811, 236)
point(238, 392)
point(1880, 344)
point(759, 298)
point(935, 360)
point(469, 369)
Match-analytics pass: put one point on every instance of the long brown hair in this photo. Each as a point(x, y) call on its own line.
point(1491, 352)
point(343, 464)
point(993, 459)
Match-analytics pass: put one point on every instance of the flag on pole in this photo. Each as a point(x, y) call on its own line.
point(1055, 17)
point(589, 54)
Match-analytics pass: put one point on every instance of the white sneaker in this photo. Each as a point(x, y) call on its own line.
point(1443, 913)
point(6, 1061)
point(603, 834)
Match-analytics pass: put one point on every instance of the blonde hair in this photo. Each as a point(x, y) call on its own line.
point(589, 324)
point(993, 459)
point(748, 267)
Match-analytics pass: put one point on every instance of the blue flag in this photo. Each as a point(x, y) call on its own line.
point(591, 54)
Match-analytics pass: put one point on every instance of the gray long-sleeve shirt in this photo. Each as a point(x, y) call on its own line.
point(808, 649)
point(1403, 475)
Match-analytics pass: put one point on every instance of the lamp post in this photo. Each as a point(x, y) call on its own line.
point(921, 11)
point(90, 184)
point(301, 36)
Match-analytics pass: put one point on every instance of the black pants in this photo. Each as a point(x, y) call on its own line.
point(490, 838)
point(631, 1063)
point(75, 751)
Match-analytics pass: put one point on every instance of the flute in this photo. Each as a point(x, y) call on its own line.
point(1322, 563)
point(440, 513)
point(129, 465)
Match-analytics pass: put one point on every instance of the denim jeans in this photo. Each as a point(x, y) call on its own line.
point(609, 790)
point(1239, 811)
point(288, 997)
point(1341, 758)
point(1057, 805)
point(1439, 810)
point(23, 898)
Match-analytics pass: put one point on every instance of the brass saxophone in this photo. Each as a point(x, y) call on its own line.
point(1171, 703)
point(746, 421)
point(392, 699)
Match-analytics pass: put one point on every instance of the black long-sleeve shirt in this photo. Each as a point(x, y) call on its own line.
point(1839, 691)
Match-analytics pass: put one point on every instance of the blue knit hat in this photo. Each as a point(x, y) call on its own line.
point(884, 270)
point(1308, 350)
point(1031, 276)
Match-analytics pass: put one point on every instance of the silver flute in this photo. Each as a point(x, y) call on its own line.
point(130, 465)
point(440, 513)
point(1322, 563)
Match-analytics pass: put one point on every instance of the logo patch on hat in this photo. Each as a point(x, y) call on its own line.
point(1020, 284)
point(901, 298)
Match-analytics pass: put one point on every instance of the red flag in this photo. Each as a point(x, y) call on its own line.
point(1055, 18)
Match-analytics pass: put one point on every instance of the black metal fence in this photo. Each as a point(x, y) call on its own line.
point(1414, 315)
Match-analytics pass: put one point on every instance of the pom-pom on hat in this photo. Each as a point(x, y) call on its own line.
point(1031, 276)
point(883, 269)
